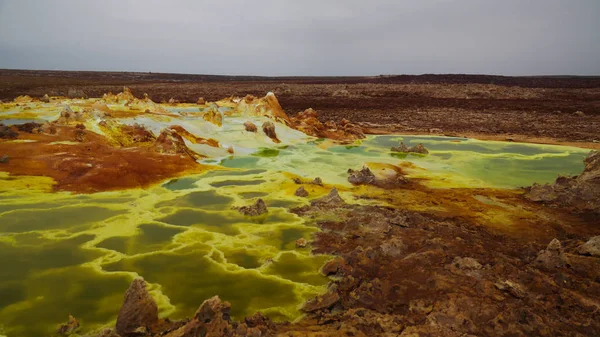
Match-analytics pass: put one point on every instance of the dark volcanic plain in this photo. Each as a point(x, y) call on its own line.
point(534, 109)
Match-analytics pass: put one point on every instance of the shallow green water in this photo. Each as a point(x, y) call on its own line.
point(64, 254)
point(461, 162)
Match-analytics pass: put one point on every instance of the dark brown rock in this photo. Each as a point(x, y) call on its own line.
point(332, 267)
point(400, 148)
point(321, 302)
point(362, 177)
point(250, 127)
point(6, 132)
point(331, 199)
point(139, 313)
point(419, 148)
point(580, 193)
point(269, 129)
point(551, 258)
point(30, 127)
point(212, 319)
point(301, 192)
point(258, 208)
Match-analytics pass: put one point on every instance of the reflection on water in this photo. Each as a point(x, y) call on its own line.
point(64, 254)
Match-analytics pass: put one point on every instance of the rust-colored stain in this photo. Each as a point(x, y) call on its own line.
point(93, 165)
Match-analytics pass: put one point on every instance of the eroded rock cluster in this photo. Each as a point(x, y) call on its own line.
point(309, 123)
point(258, 208)
point(365, 176)
point(580, 193)
point(419, 148)
point(138, 317)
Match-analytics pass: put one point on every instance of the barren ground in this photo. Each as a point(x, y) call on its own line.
point(533, 109)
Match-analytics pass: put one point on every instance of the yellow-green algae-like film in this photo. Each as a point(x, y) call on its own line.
point(63, 253)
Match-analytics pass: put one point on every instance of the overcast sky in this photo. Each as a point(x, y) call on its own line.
point(304, 37)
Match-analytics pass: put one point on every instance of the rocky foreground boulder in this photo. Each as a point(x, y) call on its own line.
point(580, 193)
point(138, 317)
point(139, 313)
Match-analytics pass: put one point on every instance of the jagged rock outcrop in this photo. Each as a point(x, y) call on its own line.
point(138, 317)
point(139, 313)
point(317, 181)
point(250, 127)
point(258, 208)
point(551, 258)
point(213, 319)
point(124, 97)
point(4, 159)
point(67, 115)
point(301, 192)
point(419, 148)
point(170, 142)
point(362, 177)
point(200, 101)
point(45, 99)
point(269, 129)
point(580, 193)
point(308, 122)
point(333, 198)
point(267, 106)
point(591, 247)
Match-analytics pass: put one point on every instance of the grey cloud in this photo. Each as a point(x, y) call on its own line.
point(326, 37)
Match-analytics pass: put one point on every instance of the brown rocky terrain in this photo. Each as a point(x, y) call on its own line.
point(534, 109)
